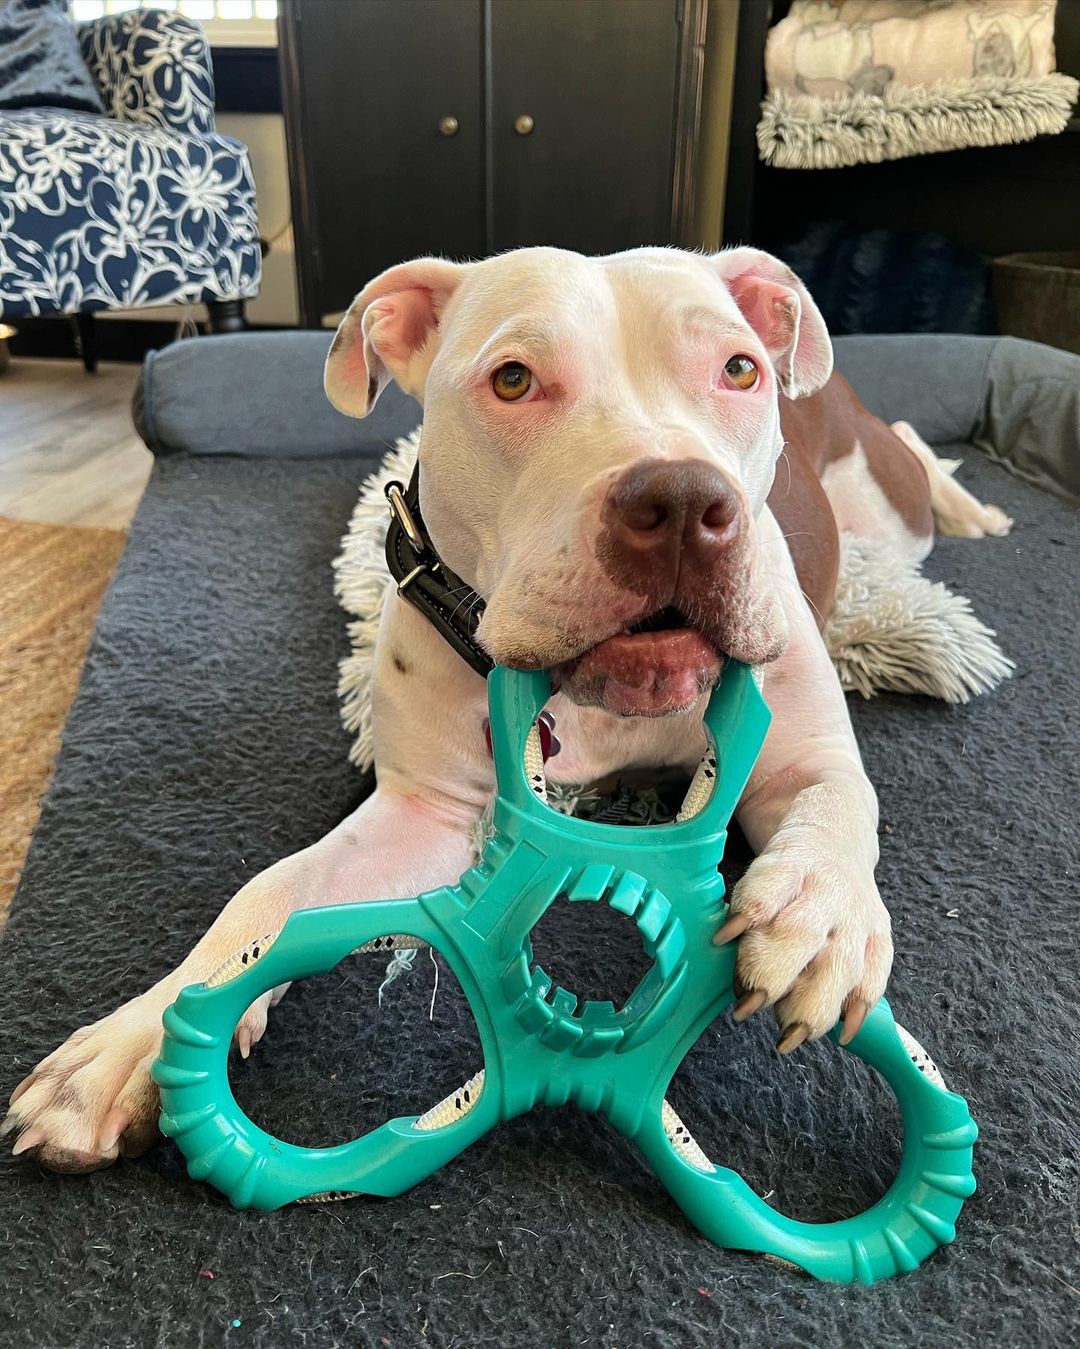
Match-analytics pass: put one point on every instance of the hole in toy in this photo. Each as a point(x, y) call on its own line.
point(817, 1134)
point(634, 798)
point(590, 949)
point(333, 1064)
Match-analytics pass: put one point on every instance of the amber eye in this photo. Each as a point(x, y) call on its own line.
point(741, 372)
point(512, 381)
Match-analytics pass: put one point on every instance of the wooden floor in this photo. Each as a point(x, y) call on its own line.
point(69, 454)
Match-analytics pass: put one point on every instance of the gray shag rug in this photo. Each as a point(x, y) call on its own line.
point(205, 742)
point(798, 131)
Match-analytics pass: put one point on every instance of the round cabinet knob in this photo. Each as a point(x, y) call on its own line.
point(449, 126)
point(524, 124)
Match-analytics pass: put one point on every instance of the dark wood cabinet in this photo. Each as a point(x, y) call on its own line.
point(598, 81)
point(464, 127)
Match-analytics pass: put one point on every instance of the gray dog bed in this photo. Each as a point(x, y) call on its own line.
point(205, 742)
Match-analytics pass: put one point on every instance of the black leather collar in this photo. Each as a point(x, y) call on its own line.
point(424, 579)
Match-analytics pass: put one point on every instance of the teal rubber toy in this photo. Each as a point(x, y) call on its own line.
point(542, 1048)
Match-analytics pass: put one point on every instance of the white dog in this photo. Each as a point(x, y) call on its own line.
point(599, 462)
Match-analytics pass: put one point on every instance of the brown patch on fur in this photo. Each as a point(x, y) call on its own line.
point(806, 520)
point(826, 426)
point(400, 664)
point(818, 431)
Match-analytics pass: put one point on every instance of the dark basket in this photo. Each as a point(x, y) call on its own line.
point(1037, 295)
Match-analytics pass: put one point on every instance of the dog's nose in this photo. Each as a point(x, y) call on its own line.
point(660, 508)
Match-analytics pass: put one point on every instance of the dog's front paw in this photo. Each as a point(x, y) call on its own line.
point(816, 941)
point(92, 1099)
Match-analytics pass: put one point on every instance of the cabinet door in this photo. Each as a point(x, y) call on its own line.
point(598, 78)
point(368, 83)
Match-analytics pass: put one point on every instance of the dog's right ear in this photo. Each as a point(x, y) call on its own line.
point(387, 334)
point(781, 311)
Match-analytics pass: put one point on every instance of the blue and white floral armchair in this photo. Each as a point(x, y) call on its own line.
point(144, 205)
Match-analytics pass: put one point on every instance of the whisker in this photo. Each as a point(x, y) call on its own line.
point(476, 600)
point(457, 608)
point(817, 611)
point(775, 576)
point(457, 590)
point(795, 534)
point(787, 463)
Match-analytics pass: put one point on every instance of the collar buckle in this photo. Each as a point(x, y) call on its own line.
point(399, 508)
point(424, 580)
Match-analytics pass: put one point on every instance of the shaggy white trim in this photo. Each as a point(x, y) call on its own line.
point(890, 629)
point(360, 583)
point(798, 131)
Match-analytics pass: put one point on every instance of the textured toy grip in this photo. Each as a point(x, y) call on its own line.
point(916, 1215)
point(199, 1111)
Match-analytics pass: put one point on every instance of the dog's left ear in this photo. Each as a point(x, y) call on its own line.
point(387, 334)
point(778, 307)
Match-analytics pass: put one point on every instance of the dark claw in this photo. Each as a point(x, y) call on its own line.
point(753, 1002)
point(735, 926)
point(853, 1020)
point(792, 1038)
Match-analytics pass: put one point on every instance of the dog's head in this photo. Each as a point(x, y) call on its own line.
point(599, 437)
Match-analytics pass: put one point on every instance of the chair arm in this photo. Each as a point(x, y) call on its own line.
point(152, 66)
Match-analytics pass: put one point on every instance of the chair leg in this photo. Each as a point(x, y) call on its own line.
point(86, 340)
point(226, 316)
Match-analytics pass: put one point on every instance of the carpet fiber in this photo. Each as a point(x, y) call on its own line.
point(52, 578)
point(182, 774)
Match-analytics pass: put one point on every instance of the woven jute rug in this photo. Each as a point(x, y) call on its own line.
point(52, 578)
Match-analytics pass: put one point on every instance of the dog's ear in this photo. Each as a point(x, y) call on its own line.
point(387, 334)
point(778, 307)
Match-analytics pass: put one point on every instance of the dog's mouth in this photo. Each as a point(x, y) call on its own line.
point(659, 666)
point(668, 619)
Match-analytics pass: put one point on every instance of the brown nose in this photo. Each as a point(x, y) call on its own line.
point(656, 511)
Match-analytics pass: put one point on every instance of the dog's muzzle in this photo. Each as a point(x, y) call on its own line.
point(661, 517)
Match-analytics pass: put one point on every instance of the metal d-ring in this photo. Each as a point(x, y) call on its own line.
point(395, 495)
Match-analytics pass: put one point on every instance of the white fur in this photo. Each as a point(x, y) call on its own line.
point(956, 512)
point(860, 506)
